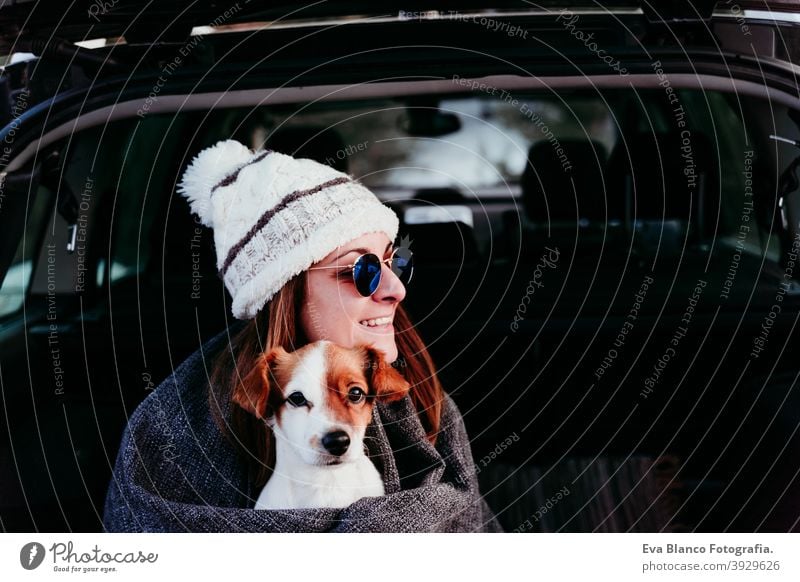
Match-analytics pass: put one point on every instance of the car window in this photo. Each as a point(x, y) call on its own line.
point(486, 154)
point(488, 151)
point(138, 189)
point(715, 114)
point(18, 277)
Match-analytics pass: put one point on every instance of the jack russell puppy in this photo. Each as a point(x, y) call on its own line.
point(318, 402)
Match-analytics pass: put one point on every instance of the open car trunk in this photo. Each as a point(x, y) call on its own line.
point(606, 243)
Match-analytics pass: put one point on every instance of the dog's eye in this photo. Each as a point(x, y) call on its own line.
point(296, 399)
point(356, 395)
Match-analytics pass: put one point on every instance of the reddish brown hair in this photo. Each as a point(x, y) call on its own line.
point(277, 324)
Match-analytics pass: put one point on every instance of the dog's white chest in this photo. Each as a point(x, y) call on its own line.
point(336, 486)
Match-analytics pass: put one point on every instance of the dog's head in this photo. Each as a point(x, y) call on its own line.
point(319, 398)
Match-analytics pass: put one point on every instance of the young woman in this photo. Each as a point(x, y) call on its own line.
point(307, 254)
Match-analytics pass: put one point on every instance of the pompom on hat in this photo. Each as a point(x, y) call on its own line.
point(274, 216)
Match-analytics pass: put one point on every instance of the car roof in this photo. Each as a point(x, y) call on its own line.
point(161, 21)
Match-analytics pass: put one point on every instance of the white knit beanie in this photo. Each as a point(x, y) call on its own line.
point(274, 216)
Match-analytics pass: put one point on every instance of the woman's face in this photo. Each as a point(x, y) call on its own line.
point(334, 309)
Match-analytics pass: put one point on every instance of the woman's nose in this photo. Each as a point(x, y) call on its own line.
point(391, 288)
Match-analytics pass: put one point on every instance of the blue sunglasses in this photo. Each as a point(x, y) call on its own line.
point(367, 269)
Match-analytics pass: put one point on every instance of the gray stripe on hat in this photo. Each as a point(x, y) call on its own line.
point(231, 178)
point(269, 214)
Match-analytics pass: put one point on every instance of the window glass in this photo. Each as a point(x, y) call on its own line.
point(145, 165)
point(18, 277)
point(737, 160)
point(488, 151)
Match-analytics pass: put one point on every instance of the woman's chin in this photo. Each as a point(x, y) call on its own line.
point(384, 342)
point(379, 337)
point(390, 355)
point(387, 348)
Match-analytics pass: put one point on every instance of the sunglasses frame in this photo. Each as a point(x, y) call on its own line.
point(381, 261)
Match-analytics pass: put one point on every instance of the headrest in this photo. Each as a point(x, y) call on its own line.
point(664, 171)
point(442, 242)
point(547, 188)
point(439, 196)
point(320, 144)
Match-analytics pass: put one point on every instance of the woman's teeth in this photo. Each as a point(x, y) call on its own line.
point(376, 322)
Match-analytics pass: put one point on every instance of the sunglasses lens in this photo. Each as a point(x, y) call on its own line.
point(367, 274)
point(403, 265)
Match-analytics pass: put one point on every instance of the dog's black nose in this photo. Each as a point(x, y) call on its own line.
point(336, 442)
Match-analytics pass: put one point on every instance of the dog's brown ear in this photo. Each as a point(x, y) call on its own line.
point(388, 383)
point(253, 392)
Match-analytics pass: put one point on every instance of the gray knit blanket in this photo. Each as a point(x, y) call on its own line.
point(176, 472)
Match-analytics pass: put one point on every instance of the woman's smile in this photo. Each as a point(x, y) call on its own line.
point(378, 323)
